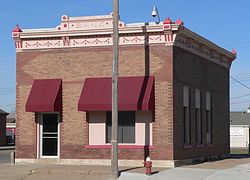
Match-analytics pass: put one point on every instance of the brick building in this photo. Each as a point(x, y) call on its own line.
point(173, 93)
point(3, 115)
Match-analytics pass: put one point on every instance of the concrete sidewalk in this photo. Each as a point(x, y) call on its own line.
point(58, 172)
point(52, 172)
point(218, 170)
point(241, 172)
point(227, 169)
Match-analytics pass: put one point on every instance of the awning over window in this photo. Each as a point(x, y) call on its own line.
point(45, 96)
point(135, 93)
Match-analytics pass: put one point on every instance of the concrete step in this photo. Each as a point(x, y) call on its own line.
point(47, 161)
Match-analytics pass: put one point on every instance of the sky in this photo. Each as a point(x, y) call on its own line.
point(224, 22)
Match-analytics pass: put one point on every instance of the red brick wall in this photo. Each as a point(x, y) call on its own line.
point(197, 72)
point(2, 130)
point(73, 66)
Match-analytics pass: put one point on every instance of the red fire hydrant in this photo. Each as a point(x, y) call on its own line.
point(148, 165)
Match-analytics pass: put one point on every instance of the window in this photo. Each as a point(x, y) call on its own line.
point(198, 120)
point(140, 129)
point(126, 127)
point(208, 118)
point(186, 115)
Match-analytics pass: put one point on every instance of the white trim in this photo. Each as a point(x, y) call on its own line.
point(38, 137)
point(246, 126)
point(10, 125)
point(102, 26)
point(39, 142)
point(58, 135)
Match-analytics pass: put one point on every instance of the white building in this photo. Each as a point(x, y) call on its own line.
point(239, 130)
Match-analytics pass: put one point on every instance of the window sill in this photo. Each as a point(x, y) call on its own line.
point(209, 145)
point(199, 145)
point(187, 146)
point(119, 147)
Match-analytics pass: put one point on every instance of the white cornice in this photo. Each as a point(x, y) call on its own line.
point(93, 32)
point(97, 31)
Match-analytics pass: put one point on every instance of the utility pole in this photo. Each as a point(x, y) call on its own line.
point(114, 143)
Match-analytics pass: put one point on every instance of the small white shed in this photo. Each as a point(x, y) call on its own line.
point(239, 130)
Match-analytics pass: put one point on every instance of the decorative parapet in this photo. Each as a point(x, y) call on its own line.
point(96, 31)
point(16, 34)
point(196, 44)
point(85, 23)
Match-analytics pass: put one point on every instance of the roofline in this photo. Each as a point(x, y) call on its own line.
point(101, 26)
point(239, 112)
point(4, 113)
point(201, 39)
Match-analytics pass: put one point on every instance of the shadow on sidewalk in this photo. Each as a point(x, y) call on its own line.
point(239, 156)
point(137, 170)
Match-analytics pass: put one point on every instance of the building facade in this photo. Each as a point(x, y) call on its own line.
point(3, 115)
point(239, 132)
point(173, 93)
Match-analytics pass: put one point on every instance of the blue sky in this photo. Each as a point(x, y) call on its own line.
point(225, 22)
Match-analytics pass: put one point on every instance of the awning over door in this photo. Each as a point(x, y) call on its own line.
point(135, 93)
point(45, 96)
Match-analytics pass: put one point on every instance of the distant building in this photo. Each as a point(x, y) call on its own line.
point(3, 115)
point(11, 128)
point(239, 130)
point(173, 93)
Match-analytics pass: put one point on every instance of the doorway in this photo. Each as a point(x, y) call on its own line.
point(49, 135)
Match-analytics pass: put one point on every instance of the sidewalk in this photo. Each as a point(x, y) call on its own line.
point(52, 172)
point(241, 172)
point(236, 168)
point(227, 169)
point(58, 172)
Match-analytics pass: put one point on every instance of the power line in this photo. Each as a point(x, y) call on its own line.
point(240, 82)
point(1, 94)
point(240, 102)
point(243, 74)
point(8, 88)
point(240, 96)
point(242, 77)
point(7, 105)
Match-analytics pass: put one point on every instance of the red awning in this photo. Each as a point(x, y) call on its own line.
point(134, 93)
point(45, 96)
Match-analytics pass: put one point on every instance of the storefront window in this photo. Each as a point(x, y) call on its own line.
point(126, 127)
